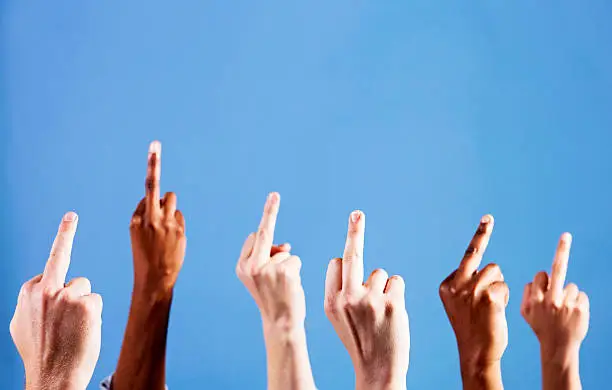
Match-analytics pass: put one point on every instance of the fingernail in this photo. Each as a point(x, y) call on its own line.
point(70, 216)
point(355, 216)
point(273, 197)
point(155, 147)
point(486, 219)
point(567, 237)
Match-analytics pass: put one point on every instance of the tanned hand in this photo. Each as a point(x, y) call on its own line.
point(475, 302)
point(158, 238)
point(559, 316)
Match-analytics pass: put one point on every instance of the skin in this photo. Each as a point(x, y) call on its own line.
point(157, 232)
point(272, 275)
point(56, 326)
point(560, 319)
point(370, 318)
point(475, 303)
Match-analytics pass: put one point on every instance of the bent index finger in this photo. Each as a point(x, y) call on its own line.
point(559, 266)
point(59, 259)
point(352, 259)
point(153, 178)
point(265, 234)
point(473, 254)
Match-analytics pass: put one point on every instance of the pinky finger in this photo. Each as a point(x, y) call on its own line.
point(180, 219)
point(95, 300)
point(583, 301)
point(395, 286)
point(499, 291)
point(525, 301)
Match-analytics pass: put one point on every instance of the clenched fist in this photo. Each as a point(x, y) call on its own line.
point(56, 326)
point(371, 318)
point(272, 276)
point(560, 319)
point(475, 302)
point(157, 231)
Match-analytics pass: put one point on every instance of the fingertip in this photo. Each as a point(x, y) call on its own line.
point(273, 198)
point(487, 219)
point(70, 216)
point(155, 147)
point(566, 238)
point(69, 221)
point(356, 216)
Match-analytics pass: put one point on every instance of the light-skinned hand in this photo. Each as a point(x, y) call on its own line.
point(559, 316)
point(370, 318)
point(272, 275)
point(56, 326)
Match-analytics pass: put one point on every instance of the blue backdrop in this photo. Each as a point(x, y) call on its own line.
point(424, 115)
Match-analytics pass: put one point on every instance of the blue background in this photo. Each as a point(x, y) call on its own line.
point(424, 115)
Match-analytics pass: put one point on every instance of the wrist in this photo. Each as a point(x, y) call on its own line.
point(395, 383)
point(283, 332)
point(151, 292)
point(559, 357)
point(52, 382)
point(481, 374)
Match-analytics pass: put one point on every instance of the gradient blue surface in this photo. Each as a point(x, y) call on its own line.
point(424, 115)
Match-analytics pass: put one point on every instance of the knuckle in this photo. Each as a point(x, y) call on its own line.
point(390, 309)
point(262, 234)
point(25, 289)
point(261, 275)
point(369, 305)
point(150, 183)
point(47, 293)
point(471, 250)
point(330, 306)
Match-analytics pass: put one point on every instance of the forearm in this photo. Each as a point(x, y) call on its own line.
point(54, 384)
point(287, 359)
point(143, 354)
point(395, 384)
point(477, 376)
point(560, 369)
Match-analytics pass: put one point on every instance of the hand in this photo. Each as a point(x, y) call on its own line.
point(157, 231)
point(558, 316)
point(371, 318)
point(272, 274)
point(57, 327)
point(158, 238)
point(475, 302)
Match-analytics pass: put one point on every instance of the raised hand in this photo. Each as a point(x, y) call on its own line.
point(158, 238)
point(157, 230)
point(272, 276)
point(475, 302)
point(371, 318)
point(560, 319)
point(56, 326)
